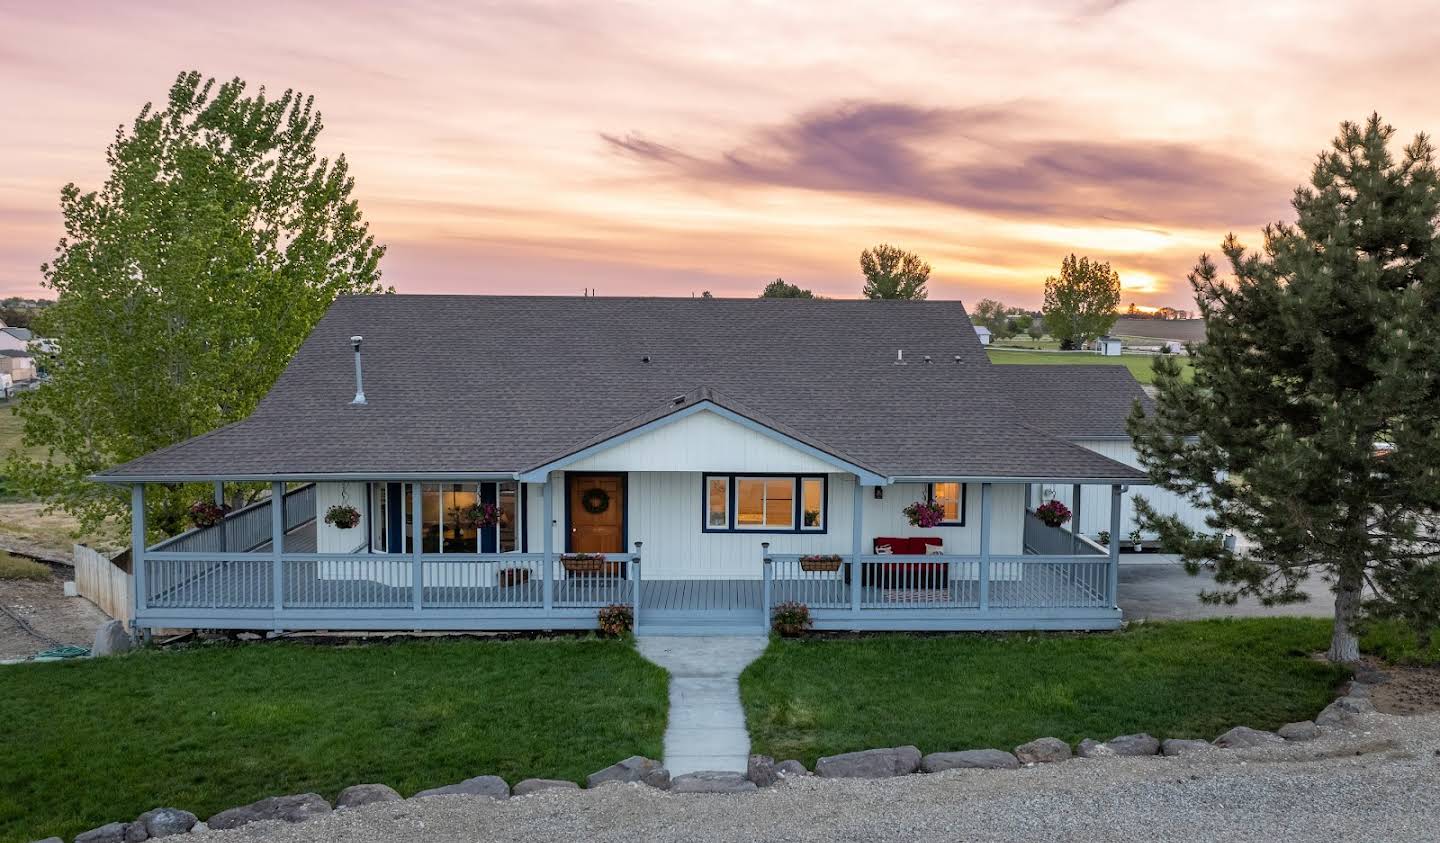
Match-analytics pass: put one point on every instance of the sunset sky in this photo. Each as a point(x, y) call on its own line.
point(671, 148)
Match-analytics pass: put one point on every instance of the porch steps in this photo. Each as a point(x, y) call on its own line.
point(700, 622)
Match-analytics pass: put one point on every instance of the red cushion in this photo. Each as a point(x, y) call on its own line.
point(907, 545)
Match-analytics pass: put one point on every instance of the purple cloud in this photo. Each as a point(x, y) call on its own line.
point(888, 149)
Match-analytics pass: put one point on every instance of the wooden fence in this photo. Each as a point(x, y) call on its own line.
point(103, 583)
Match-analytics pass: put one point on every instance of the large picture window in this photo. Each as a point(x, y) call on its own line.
point(764, 503)
point(445, 525)
point(950, 496)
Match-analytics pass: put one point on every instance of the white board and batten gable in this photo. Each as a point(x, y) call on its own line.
point(703, 441)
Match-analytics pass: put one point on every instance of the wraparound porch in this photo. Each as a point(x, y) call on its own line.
point(1059, 582)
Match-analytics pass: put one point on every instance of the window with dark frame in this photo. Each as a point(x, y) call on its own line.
point(950, 496)
point(790, 503)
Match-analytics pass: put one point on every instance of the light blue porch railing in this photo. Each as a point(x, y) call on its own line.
point(246, 528)
point(359, 591)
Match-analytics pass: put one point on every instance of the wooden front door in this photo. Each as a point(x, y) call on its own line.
point(597, 513)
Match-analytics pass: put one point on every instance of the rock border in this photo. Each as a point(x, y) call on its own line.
point(762, 771)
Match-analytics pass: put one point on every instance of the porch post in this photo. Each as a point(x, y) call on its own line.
point(220, 502)
point(548, 543)
point(417, 533)
point(985, 511)
point(137, 550)
point(857, 570)
point(219, 492)
point(1114, 583)
point(277, 547)
point(635, 590)
point(1075, 520)
point(765, 577)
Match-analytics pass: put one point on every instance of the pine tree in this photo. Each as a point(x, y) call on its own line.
point(1311, 425)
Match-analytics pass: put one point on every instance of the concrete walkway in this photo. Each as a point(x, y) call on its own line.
point(1155, 586)
point(707, 725)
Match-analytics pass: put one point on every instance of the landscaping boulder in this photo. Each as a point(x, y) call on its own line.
point(764, 771)
point(711, 781)
point(107, 833)
point(970, 759)
point(1370, 676)
point(363, 794)
point(790, 769)
point(491, 786)
point(199, 827)
point(1358, 689)
point(1091, 748)
point(1355, 705)
point(161, 822)
point(1043, 751)
point(1133, 745)
point(1244, 737)
point(291, 809)
point(1305, 730)
point(50, 840)
point(1332, 715)
point(112, 638)
point(636, 768)
point(870, 763)
point(529, 786)
point(1182, 746)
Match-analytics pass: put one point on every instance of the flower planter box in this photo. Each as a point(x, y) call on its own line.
point(592, 566)
point(813, 564)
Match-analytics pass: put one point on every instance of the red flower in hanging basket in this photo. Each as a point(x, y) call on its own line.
point(342, 516)
point(207, 513)
point(925, 514)
point(1052, 513)
point(480, 515)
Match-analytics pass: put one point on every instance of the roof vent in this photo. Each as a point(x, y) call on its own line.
point(645, 359)
point(899, 357)
point(679, 399)
point(957, 358)
point(928, 360)
point(359, 376)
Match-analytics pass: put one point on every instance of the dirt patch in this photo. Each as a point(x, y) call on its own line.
point(1408, 690)
point(37, 616)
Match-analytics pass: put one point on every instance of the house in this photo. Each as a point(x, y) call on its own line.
point(1108, 346)
point(538, 458)
point(17, 366)
point(15, 339)
point(1088, 405)
point(983, 333)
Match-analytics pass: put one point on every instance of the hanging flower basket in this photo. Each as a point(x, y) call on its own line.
point(820, 562)
point(1052, 513)
point(509, 577)
point(207, 513)
point(342, 516)
point(583, 563)
point(925, 514)
point(480, 515)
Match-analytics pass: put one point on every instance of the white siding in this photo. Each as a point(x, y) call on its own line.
point(665, 513)
point(1095, 500)
point(702, 441)
point(330, 539)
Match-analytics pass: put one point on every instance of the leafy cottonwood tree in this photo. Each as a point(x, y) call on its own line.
point(781, 289)
point(185, 284)
point(992, 314)
point(1080, 304)
point(893, 273)
point(1312, 426)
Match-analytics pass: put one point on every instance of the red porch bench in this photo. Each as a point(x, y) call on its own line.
point(907, 574)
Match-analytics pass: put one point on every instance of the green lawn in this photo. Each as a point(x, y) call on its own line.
point(1138, 364)
point(207, 728)
point(811, 697)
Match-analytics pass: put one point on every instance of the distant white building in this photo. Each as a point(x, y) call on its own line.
point(1174, 347)
point(983, 333)
point(1108, 346)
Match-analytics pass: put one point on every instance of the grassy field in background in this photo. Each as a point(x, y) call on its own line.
point(1138, 364)
point(810, 697)
point(15, 568)
point(210, 727)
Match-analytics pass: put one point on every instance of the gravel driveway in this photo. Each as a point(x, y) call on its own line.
point(1375, 782)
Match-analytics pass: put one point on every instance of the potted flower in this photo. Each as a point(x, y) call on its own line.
point(925, 514)
point(790, 618)
point(820, 562)
point(1137, 541)
point(480, 515)
point(342, 516)
point(509, 577)
point(1103, 537)
point(616, 619)
point(583, 563)
point(207, 513)
point(1052, 513)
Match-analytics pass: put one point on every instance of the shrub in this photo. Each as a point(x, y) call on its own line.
point(790, 618)
point(617, 619)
